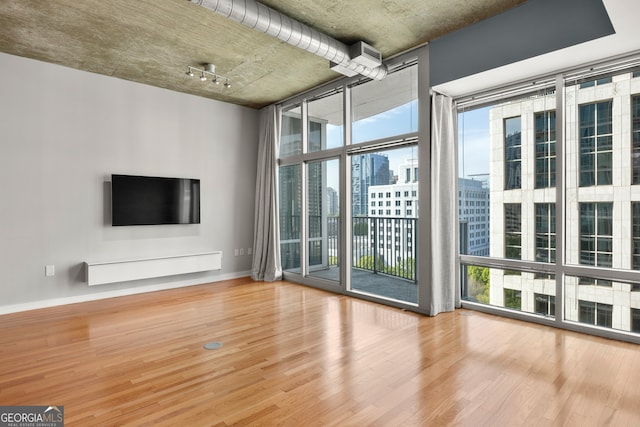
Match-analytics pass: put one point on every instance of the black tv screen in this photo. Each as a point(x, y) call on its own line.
point(148, 200)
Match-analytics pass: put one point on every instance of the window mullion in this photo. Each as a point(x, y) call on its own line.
point(560, 201)
point(304, 211)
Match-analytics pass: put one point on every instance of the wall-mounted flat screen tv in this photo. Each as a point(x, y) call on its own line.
point(148, 200)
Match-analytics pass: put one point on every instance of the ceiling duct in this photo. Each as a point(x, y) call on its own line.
point(269, 21)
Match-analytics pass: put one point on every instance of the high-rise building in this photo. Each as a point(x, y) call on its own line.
point(393, 209)
point(602, 199)
point(473, 213)
point(367, 170)
point(333, 204)
point(400, 199)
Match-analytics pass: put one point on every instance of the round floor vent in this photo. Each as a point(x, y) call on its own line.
point(213, 345)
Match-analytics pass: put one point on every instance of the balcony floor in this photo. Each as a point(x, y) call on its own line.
point(374, 283)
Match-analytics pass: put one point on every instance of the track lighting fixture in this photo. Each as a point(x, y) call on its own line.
point(209, 71)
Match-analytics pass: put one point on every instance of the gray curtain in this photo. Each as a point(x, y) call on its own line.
point(266, 256)
point(444, 283)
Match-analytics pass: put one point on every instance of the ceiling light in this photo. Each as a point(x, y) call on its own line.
point(208, 70)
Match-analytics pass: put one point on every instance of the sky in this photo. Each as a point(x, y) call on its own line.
point(400, 120)
point(473, 139)
point(473, 142)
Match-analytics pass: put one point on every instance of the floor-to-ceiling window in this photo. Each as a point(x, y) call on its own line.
point(384, 248)
point(384, 186)
point(600, 288)
point(323, 219)
point(290, 181)
point(348, 171)
point(559, 165)
point(507, 156)
point(290, 189)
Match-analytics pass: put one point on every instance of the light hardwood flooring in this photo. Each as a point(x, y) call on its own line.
point(297, 356)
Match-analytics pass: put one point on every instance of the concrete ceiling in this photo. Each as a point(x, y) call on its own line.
point(152, 41)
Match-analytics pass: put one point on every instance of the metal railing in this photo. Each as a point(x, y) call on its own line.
point(381, 245)
point(385, 245)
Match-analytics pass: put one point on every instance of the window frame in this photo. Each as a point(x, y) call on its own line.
point(557, 83)
point(420, 138)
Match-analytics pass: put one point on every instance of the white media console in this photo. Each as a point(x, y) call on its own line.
point(100, 273)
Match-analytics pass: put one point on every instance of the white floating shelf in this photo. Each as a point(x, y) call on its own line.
point(100, 273)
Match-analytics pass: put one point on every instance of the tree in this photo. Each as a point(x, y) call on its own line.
point(360, 229)
point(367, 263)
point(403, 268)
point(479, 287)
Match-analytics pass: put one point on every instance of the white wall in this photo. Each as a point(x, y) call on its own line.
point(63, 132)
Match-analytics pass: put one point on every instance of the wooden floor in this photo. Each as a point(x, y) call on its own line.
point(298, 356)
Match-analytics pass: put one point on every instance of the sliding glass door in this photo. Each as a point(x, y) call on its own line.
point(290, 210)
point(349, 171)
point(323, 219)
point(384, 223)
point(384, 186)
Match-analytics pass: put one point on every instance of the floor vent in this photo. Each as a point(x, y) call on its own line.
point(213, 345)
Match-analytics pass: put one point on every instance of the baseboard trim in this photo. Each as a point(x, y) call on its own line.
point(54, 302)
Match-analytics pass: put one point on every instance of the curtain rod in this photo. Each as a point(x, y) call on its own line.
point(531, 85)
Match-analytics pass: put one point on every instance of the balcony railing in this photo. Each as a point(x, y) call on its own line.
point(385, 245)
point(380, 245)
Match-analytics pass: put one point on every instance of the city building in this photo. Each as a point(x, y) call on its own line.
point(602, 128)
point(367, 170)
point(393, 212)
point(399, 200)
point(398, 204)
point(96, 88)
point(333, 203)
point(473, 213)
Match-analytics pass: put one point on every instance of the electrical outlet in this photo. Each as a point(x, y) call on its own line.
point(49, 270)
point(237, 252)
point(249, 251)
point(241, 251)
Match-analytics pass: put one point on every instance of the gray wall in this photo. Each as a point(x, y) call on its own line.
point(533, 28)
point(64, 132)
